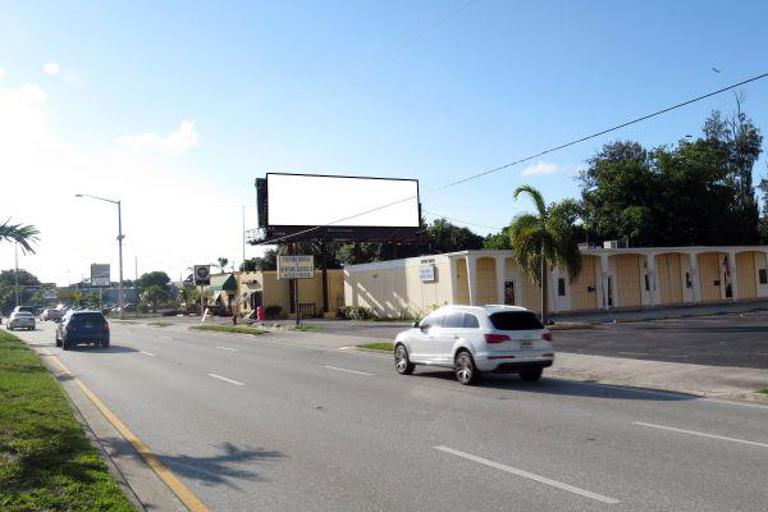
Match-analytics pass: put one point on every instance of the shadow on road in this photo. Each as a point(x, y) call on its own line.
point(113, 349)
point(233, 463)
point(556, 386)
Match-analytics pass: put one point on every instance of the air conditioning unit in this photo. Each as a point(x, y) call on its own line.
point(615, 244)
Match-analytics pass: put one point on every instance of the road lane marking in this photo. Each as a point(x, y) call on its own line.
point(701, 434)
point(530, 476)
point(187, 497)
point(222, 347)
point(336, 368)
point(150, 354)
point(225, 379)
point(168, 338)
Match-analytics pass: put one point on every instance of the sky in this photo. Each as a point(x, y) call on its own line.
point(175, 108)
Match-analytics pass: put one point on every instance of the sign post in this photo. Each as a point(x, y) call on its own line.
point(296, 267)
point(202, 275)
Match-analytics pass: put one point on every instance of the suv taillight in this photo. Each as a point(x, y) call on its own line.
point(547, 336)
point(496, 338)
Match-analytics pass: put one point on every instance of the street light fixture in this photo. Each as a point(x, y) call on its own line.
point(120, 298)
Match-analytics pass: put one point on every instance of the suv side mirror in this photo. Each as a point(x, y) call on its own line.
point(414, 324)
point(424, 327)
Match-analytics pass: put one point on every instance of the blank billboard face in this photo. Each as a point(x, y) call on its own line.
point(306, 200)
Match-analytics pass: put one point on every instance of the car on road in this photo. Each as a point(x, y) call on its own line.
point(21, 320)
point(474, 340)
point(51, 314)
point(28, 309)
point(79, 327)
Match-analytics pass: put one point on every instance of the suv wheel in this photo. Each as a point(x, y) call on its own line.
point(403, 365)
point(531, 374)
point(65, 345)
point(104, 343)
point(464, 366)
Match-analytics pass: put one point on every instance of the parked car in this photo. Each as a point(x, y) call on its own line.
point(77, 327)
point(51, 314)
point(21, 320)
point(473, 340)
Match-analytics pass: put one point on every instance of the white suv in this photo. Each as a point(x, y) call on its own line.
point(472, 340)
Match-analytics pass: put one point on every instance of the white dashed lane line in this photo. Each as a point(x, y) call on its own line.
point(150, 354)
point(230, 349)
point(701, 434)
point(226, 379)
point(346, 370)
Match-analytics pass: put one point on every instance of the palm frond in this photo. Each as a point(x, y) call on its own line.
point(537, 198)
point(24, 235)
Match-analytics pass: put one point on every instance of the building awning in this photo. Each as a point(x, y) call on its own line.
point(223, 282)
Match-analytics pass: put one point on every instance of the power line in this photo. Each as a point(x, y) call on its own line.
point(541, 153)
point(460, 221)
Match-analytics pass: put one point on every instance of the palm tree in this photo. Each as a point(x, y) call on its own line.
point(23, 235)
point(222, 263)
point(541, 239)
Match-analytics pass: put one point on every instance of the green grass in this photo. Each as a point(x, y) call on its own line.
point(160, 324)
point(383, 346)
point(307, 328)
point(46, 462)
point(763, 390)
point(241, 329)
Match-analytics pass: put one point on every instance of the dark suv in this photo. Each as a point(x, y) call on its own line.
point(82, 327)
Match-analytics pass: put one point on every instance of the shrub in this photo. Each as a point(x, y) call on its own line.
point(356, 313)
point(273, 312)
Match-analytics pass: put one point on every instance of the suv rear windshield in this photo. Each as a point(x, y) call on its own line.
point(515, 321)
point(91, 318)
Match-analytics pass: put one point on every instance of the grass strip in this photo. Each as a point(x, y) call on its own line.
point(382, 346)
point(307, 328)
point(763, 390)
point(46, 462)
point(160, 324)
point(240, 329)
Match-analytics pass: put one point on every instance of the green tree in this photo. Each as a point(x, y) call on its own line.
point(222, 263)
point(154, 295)
point(443, 236)
point(24, 235)
point(155, 278)
point(545, 238)
point(8, 287)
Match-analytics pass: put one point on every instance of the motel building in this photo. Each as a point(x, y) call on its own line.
point(611, 278)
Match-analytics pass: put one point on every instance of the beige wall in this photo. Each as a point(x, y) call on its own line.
point(628, 280)
point(709, 272)
point(462, 283)
point(486, 282)
point(745, 275)
point(581, 297)
point(275, 292)
point(669, 268)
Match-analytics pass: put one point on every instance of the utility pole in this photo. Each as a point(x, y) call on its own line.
point(120, 296)
point(243, 234)
point(16, 273)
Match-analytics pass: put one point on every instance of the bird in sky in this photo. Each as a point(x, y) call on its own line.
point(715, 70)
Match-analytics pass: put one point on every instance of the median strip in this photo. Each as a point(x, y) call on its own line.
point(530, 476)
point(237, 329)
point(701, 434)
point(226, 379)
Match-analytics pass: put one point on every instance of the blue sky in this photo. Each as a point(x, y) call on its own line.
point(434, 90)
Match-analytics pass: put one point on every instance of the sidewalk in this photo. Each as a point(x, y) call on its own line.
point(661, 313)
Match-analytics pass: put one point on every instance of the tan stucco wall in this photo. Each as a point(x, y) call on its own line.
point(581, 298)
point(628, 280)
point(669, 268)
point(486, 282)
point(746, 276)
point(709, 272)
point(462, 283)
point(275, 292)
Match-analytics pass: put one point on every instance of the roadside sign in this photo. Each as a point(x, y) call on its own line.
point(50, 294)
point(296, 267)
point(100, 274)
point(427, 273)
point(202, 274)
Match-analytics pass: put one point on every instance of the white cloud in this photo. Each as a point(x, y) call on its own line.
point(539, 169)
point(3, 73)
point(179, 141)
point(51, 68)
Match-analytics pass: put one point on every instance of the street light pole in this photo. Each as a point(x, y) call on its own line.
point(120, 237)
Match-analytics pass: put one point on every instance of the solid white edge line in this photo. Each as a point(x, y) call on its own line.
point(530, 476)
point(150, 354)
point(701, 434)
point(346, 370)
point(225, 379)
point(222, 347)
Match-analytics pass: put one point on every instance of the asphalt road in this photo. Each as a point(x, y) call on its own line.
point(739, 339)
point(253, 423)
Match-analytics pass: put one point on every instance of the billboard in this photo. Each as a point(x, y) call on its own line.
point(344, 201)
point(295, 267)
point(202, 275)
point(100, 274)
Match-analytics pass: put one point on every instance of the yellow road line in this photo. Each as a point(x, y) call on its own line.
point(183, 492)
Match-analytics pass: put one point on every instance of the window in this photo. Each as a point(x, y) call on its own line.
point(688, 280)
point(470, 321)
point(763, 275)
point(561, 287)
point(509, 293)
point(515, 321)
point(90, 318)
point(433, 320)
point(647, 283)
point(454, 320)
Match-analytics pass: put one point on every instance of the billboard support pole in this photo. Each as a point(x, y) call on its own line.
point(296, 291)
point(324, 275)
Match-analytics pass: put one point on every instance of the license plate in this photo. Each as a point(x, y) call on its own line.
point(88, 326)
point(526, 344)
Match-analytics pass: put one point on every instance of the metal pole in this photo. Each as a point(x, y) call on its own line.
point(120, 297)
point(243, 234)
point(16, 273)
point(202, 312)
